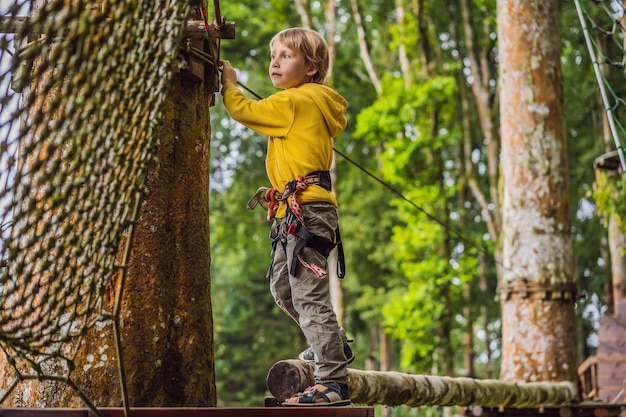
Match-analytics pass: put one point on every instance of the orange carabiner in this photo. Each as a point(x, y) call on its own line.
point(270, 195)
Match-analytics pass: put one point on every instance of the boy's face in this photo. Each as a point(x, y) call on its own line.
point(288, 68)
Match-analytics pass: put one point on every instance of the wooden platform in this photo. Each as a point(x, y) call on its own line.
point(351, 411)
point(585, 409)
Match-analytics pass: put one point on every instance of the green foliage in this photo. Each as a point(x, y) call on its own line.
point(367, 220)
point(609, 193)
point(422, 265)
point(401, 120)
point(405, 111)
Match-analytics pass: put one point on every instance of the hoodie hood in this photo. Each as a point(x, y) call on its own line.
point(332, 105)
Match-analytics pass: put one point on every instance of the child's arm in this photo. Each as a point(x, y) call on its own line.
point(271, 117)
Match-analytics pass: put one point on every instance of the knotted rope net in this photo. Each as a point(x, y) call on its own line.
point(604, 28)
point(81, 88)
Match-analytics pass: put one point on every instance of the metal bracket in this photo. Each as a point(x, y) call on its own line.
point(536, 290)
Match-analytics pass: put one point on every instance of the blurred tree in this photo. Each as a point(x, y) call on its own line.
point(537, 285)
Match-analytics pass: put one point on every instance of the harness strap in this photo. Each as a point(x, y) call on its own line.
point(341, 259)
point(320, 244)
point(270, 198)
point(292, 188)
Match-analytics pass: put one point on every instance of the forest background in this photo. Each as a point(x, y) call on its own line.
point(419, 297)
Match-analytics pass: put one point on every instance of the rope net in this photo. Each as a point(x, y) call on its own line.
point(81, 88)
point(604, 27)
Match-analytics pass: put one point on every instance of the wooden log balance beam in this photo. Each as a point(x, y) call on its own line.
point(394, 388)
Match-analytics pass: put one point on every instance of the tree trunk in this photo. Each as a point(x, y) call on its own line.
point(394, 388)
point(483, 98)
point(537, 287)
point(617, 247)
point(330, 26)
point(385, 360)
point(167, 319)
point(468, 334)
point(403, 58)
point(364, 48)
point(616, 238)
point(304, 10)
point(484, 314)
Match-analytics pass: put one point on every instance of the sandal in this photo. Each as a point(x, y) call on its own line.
point(335, 394)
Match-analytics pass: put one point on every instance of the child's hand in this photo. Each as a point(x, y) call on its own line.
point(229, 75)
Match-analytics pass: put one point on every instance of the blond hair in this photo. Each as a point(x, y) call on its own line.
point(311, 44)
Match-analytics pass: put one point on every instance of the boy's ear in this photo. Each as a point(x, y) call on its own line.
point(311, 71)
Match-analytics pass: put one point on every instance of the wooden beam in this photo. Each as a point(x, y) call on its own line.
point(195, 30)
point(593, 360)
point(394, 388)
point(195, 67)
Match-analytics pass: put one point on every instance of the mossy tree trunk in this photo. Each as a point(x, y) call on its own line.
point(166, 317)
point(167, 325)
point(617, 247)
point(537, 287)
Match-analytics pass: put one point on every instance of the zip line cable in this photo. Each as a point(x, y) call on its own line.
point(482, 249)
point(446, 226)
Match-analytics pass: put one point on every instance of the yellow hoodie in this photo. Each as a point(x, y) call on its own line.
point(301, 123)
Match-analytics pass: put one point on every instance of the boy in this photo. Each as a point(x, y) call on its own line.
point(301, 122)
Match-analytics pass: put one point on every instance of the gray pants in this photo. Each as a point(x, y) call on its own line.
point(305, 297)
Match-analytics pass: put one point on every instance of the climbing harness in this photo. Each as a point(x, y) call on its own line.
point(269, 199)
